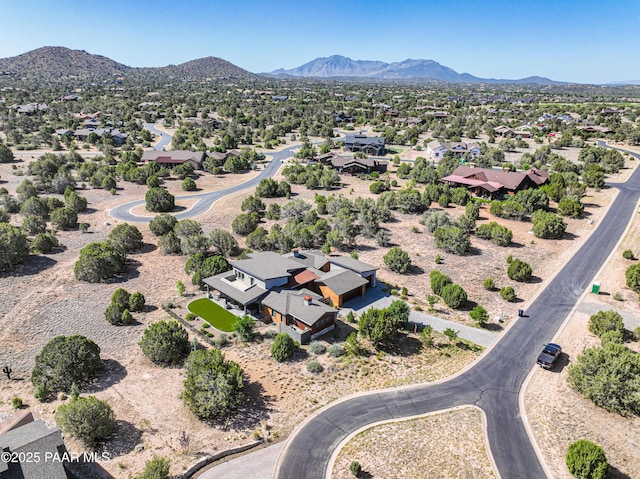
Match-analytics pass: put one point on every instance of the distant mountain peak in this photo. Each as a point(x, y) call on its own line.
point(409, 69)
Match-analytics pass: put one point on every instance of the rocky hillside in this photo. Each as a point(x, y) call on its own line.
point(55, 64)
point(51, 62)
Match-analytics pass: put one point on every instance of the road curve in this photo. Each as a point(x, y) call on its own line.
point(493, 383)
point(206, 200)
point(165, 138)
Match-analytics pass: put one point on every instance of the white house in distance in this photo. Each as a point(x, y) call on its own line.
point(437, 149)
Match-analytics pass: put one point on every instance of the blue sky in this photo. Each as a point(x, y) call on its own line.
point(578, 41)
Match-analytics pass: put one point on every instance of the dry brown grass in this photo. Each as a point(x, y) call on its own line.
point(449, 444)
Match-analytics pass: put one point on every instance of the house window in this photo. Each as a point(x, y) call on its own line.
point(273, 313)
point(252, 280)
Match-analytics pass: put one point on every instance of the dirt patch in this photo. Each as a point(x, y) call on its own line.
point(443, 445)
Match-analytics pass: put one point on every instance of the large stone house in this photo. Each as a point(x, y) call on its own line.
point(297, 290)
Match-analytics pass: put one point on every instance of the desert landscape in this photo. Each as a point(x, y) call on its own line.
point(362, 169)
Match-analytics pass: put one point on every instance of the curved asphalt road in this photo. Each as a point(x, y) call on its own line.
point(165, 138)
point(494, 381)
point(205, 200)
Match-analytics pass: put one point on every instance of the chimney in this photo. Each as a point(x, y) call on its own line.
point(307, 300)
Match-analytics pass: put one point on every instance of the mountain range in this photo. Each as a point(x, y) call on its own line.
point(62, 64)
point(426, 70)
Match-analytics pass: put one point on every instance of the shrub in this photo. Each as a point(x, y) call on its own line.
point(355, 468)
point(586, 460)
point(14, 247)
point(335, 350)
point(114, 314)
point(98, 262)
point(432, 220)
point(44, 242)
point(479, 315)
point(127, 238)
point(397, 260)
point(454, 296)
point(614, 336)
point(317, 347)
point(64, 219)
point(169, 243)
point(283, 347)
point(382, 325)
point(188, 184)
point(452, 239)
point(498, 234)
point(88, 419)
point(63, 361)
point(547, 225)
point(604, 321)
point(137, 302)
point(608, 376)
point(162, 224)
point(633, 277)
point(570, 205)
point(214, 387)
point(245, 223)
point(636, 334)
point(489, 284)
point(33, 225)
point(508, 294)
point(519, 271)
point(165, 342)
point(156, 468)
point(244, 326)
point(74, 201)
point(314, 366)
point(628, 254)
point(159, 200)
point(438, 281)
point(16, 402)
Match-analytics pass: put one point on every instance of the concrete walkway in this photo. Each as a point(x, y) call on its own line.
point(256, 465)
point(378, 298)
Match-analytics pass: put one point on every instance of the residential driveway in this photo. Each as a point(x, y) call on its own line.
point(378, 298)
point(631, 321)
point(255, 465)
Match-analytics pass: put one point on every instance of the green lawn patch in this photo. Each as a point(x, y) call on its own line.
point(215, 315)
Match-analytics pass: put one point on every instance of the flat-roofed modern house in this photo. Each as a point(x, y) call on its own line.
point(169, 159)
point(275, 285)
point(371, 145)
point(487, 182)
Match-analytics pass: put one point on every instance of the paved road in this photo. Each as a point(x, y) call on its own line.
point(165, 138)
point(493, 383)
point(206, 200)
